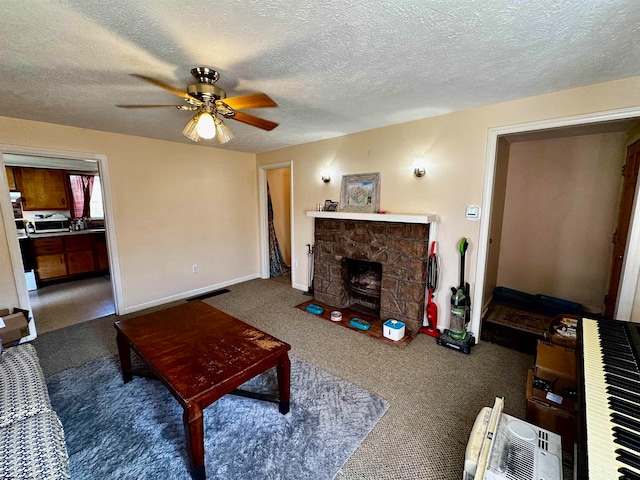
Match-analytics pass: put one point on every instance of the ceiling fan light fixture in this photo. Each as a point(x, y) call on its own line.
point(206, 127)
point(224, 133)
point(190, 130)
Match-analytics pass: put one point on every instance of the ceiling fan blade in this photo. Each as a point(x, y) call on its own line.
point(168, 88)
point(149, 106)
point(254, 121)
point(256, 100)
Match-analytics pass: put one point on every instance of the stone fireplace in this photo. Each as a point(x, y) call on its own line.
point(401, 251)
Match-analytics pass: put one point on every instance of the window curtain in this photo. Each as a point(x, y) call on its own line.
point(277, 265)
point(81, 188)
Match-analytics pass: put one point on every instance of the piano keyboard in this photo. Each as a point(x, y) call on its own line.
point(612, 401)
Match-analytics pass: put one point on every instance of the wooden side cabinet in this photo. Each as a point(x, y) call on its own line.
point(43, 189)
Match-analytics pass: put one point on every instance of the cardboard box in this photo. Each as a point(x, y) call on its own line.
point(551, 417)
point(556, 365)
point(13, 326)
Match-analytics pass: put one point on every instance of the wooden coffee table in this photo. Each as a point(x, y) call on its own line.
point(201, 354)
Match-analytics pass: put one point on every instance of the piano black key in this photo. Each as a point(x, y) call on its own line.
point(622, 383)
point(625, 407)
point(626, 439)
point(628, 458)
point(628, 474)
point(623, 364)
point(622, 372)
point(618, 392)
point(625, 421)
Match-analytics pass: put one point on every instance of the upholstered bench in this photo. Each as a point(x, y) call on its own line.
point(31, 436)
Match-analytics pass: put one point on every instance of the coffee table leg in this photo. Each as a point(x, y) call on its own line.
point(194, 430)
point(284, 382)
point(124, 352)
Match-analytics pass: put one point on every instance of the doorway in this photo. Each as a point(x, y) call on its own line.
point(594, 123)
point(86, 293)
point(275, 183)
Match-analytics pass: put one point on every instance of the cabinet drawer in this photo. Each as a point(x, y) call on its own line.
point(47, 246)
point(77, 242)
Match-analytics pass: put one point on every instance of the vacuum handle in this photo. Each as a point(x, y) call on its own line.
point(462, 246)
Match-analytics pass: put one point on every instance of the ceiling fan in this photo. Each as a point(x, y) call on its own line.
point(210, 103)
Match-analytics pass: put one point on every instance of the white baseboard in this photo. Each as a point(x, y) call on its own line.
point(299, 286)
point(189, 294)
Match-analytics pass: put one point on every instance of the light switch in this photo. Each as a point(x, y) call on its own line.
point(473, 212)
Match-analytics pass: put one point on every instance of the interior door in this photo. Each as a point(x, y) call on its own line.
point(630, 173)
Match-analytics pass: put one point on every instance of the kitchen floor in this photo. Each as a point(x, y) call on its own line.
point(63, 304)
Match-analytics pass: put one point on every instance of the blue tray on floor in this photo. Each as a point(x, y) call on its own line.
point(315, 309)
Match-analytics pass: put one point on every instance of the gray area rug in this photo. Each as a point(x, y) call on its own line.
point(135, 430)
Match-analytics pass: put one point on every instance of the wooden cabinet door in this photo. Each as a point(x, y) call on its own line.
point(102, 255)
point(51, 266)
point(80, 262)
point(43, 189)
point(11, 178)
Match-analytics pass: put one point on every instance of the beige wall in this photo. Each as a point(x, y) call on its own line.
point(280, 188)
point(454, 146)
point(175, 205)
point(560, 213)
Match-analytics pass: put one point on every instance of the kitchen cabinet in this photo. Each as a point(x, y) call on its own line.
point(80, 262)
point(51, 266)
point(65, 256)
point(102, 257)
point(50, 260)
point(79, 249)
point(11, 178)
point(43, 189)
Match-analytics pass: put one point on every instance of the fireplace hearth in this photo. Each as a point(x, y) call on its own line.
point(398, 251)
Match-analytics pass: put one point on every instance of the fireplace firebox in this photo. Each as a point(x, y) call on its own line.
point(362, 284)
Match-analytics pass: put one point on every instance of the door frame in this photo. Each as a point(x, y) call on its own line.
point(631, 266)
point(264, 217)
point(110, 230)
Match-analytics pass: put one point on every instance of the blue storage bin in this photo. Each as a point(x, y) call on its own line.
point(516, 298)
point(557, 306)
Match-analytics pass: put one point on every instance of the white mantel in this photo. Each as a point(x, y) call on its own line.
point(376, 217)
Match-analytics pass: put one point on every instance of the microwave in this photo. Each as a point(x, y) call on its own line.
point(47, 225)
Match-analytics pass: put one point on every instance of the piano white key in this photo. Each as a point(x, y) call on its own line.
point(600, 440)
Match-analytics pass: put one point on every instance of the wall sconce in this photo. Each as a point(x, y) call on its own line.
point(325, 174)
point(418, 167)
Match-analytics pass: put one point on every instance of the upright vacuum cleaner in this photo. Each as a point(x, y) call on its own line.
point(457, 336)
point(430, 326)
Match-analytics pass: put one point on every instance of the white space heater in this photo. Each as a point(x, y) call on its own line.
point(502, 447)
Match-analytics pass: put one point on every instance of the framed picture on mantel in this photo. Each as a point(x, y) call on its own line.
point(360, 193)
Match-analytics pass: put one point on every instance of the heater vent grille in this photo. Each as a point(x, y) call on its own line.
point(520, 460)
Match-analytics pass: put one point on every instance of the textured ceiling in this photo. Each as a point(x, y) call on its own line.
point(334, 67)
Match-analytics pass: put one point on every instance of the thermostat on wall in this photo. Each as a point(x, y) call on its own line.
point(473, 212)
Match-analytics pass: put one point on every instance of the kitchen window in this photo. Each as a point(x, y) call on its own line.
point(87, 196)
